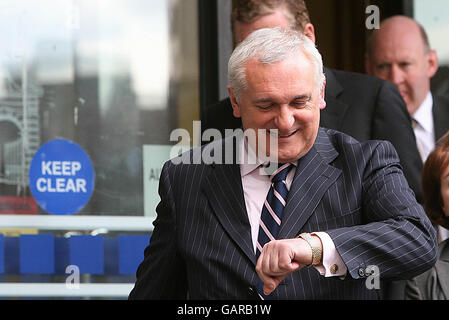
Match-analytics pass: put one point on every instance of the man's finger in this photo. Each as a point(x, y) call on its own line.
point(271, 284)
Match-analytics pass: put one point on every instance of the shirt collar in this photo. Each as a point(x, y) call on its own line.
point(423, 116)
point(246, 167)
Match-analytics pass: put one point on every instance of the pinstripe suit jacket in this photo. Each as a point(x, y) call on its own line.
point(201, 246)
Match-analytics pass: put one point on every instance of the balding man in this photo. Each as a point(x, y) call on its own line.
point(400, 52)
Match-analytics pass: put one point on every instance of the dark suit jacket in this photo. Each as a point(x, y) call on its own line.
point(202, 248)
point(359, 105)
point(434, 283)
point(440, 110)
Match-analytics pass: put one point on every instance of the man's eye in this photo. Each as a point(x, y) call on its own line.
point(382, 67)
point(299, 103)
point(264, 106)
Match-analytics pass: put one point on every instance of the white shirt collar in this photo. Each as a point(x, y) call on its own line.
point(252, 161)
point(424, 115)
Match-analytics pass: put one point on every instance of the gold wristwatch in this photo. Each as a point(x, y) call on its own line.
point(315, 244)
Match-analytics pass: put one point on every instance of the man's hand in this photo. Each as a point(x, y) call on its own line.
point(279, 258)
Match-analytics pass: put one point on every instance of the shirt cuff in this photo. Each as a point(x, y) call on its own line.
point(333, 265)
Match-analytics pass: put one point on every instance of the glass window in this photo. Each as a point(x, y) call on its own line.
point(434, 17)
point(113, 77)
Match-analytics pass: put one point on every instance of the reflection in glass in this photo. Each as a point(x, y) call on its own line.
point(110, 75)
point(435, 20)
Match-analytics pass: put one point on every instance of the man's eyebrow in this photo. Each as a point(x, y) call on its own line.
point(262, 100)
point(298, 97)
point(302, 97)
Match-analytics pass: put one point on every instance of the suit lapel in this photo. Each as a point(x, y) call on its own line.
point(224, 191)
point(332, 116)
point(312, 179)
point(440, 112)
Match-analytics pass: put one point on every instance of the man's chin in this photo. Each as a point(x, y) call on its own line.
point(292, 153)
point(288, 157)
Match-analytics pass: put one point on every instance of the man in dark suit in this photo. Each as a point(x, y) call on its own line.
point(346, 205)
point(399, 52)
point(359, 105)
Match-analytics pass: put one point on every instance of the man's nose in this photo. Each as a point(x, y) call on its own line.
point(396, 75)
point(285, 119)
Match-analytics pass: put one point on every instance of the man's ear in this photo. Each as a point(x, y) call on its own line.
point(322, 102)
point(309, 31)
point(234, 103)
point(432, 59)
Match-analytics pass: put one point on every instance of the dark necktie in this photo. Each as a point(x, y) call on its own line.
point(270, 219)
point(418, 142)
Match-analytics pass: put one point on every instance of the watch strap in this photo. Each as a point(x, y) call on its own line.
point(315, 245)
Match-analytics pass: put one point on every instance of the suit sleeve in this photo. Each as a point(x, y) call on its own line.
point(396, 235)
point(161, 275)
point(393, 123)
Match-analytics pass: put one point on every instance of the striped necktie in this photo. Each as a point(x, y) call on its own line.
point(270, 219)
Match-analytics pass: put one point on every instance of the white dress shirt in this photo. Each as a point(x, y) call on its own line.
point(424, 128)
point(255, 189)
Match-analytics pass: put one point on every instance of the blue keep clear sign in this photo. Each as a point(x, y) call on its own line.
point(61, 177)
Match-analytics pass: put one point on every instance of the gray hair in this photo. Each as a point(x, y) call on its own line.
point(271, 45)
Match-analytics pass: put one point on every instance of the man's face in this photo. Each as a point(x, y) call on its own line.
point(282, 96)
point(276, 19)
point(399, 55)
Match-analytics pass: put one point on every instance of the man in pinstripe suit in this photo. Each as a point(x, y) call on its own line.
point(348, 201)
